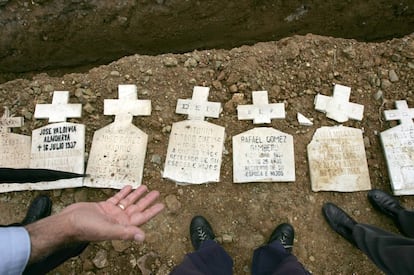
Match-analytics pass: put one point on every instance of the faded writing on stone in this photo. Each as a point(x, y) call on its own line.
point(196, 148)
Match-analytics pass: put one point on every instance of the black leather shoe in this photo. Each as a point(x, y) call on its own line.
point(200, 231)
point(385, 203)
point(284, 233)
point(340, 221)
point(40, 208)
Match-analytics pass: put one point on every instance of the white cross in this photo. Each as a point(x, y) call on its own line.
point(261, 111)
point(59, 110)
point(198, 107)
point(128, 105)
point(338, 106)
point(7, 121)
point(404, 114)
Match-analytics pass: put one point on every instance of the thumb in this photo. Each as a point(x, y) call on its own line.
point(126, 232)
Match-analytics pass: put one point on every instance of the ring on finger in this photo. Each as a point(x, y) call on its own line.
point(120, 205)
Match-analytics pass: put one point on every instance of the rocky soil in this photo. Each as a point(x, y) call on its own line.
point(293, 71)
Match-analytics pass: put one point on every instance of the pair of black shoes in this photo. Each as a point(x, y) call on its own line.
point(343, 224)
point(40, 208)
point(201, 230)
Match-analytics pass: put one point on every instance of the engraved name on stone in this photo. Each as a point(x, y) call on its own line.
point(263, 155)
point(337, 160)
point(398, 145)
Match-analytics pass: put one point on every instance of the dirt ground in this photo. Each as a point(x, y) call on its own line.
point(293, 70)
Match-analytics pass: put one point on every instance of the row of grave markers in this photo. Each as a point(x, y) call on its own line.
point(336, 155)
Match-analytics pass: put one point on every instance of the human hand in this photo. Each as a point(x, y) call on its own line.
point(117, 218)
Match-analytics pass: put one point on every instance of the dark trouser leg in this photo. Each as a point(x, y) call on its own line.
point(274, 259)
point(55, 259)
point(209, 259)
point(406, 223)
point(392, 253)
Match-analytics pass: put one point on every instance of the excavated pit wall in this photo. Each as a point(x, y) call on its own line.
point(49, 34)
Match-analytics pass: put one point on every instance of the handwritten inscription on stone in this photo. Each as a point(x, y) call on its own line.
point(59, 146)
point(398, 145)
point(263, 154)
point(117, 157)
point(15, 150)
point(337, 160)
point(194, 152)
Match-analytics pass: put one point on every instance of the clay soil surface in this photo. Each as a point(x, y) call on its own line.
point(293, 71)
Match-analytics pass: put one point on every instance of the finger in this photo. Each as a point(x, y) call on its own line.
point(140, 218)
point(120, 195)
point(133, 196)
point(121, 232)
point(143, 203)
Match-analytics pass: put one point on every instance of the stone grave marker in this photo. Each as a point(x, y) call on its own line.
point(337, 160)
point(60, 145)
point(14, 148)
point(262, 154)
point(195, 147)
point(338, 106)
point(398, 145)
point(118, 150)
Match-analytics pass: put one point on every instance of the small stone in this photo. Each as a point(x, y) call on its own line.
point(48, 88)
point(156, 159)
point(148, 72)
point(217, 85)
point(192, 81)
point(227, 238)
point(170, 62)
point(172, 203)
point(120, 246)
point(166, 129)
point(114, 73)
point(378, 95)
point(312, 258)
point(101, 259)
point(385, 84)
point(349, 52)
point(411, 65)
point(233, 88)
point(191, 62)
point(367, 142)
point(393, 76)
point(396, 57)
point(89, 108)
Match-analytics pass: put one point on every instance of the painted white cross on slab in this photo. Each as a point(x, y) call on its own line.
point(404, 114)
point(261, 111)
point(338, 106)
point(7, 121)
point(59, 110)
point(198, 107)
point(127, 105)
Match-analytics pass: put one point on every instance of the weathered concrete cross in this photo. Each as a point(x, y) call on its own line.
point(7, 121)
point(338, 106)
point(128, 105)
point(404, 114)
point(261, 111)
point(198, 107)
point(59, 110)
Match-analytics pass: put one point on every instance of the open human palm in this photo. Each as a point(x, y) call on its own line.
point(119, 217)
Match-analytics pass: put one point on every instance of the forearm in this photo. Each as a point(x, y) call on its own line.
point(49, 234)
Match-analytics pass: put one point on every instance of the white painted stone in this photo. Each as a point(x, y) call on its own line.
point(197, 108)
point(261, 111)
point(263, 155)
point(304, 120)
point(337, 160)
point(118, 150)
point(14, 148)
point(398, 145)
point(58, 146)
point(59, 110)
point(338, 106)
point(194, 152)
